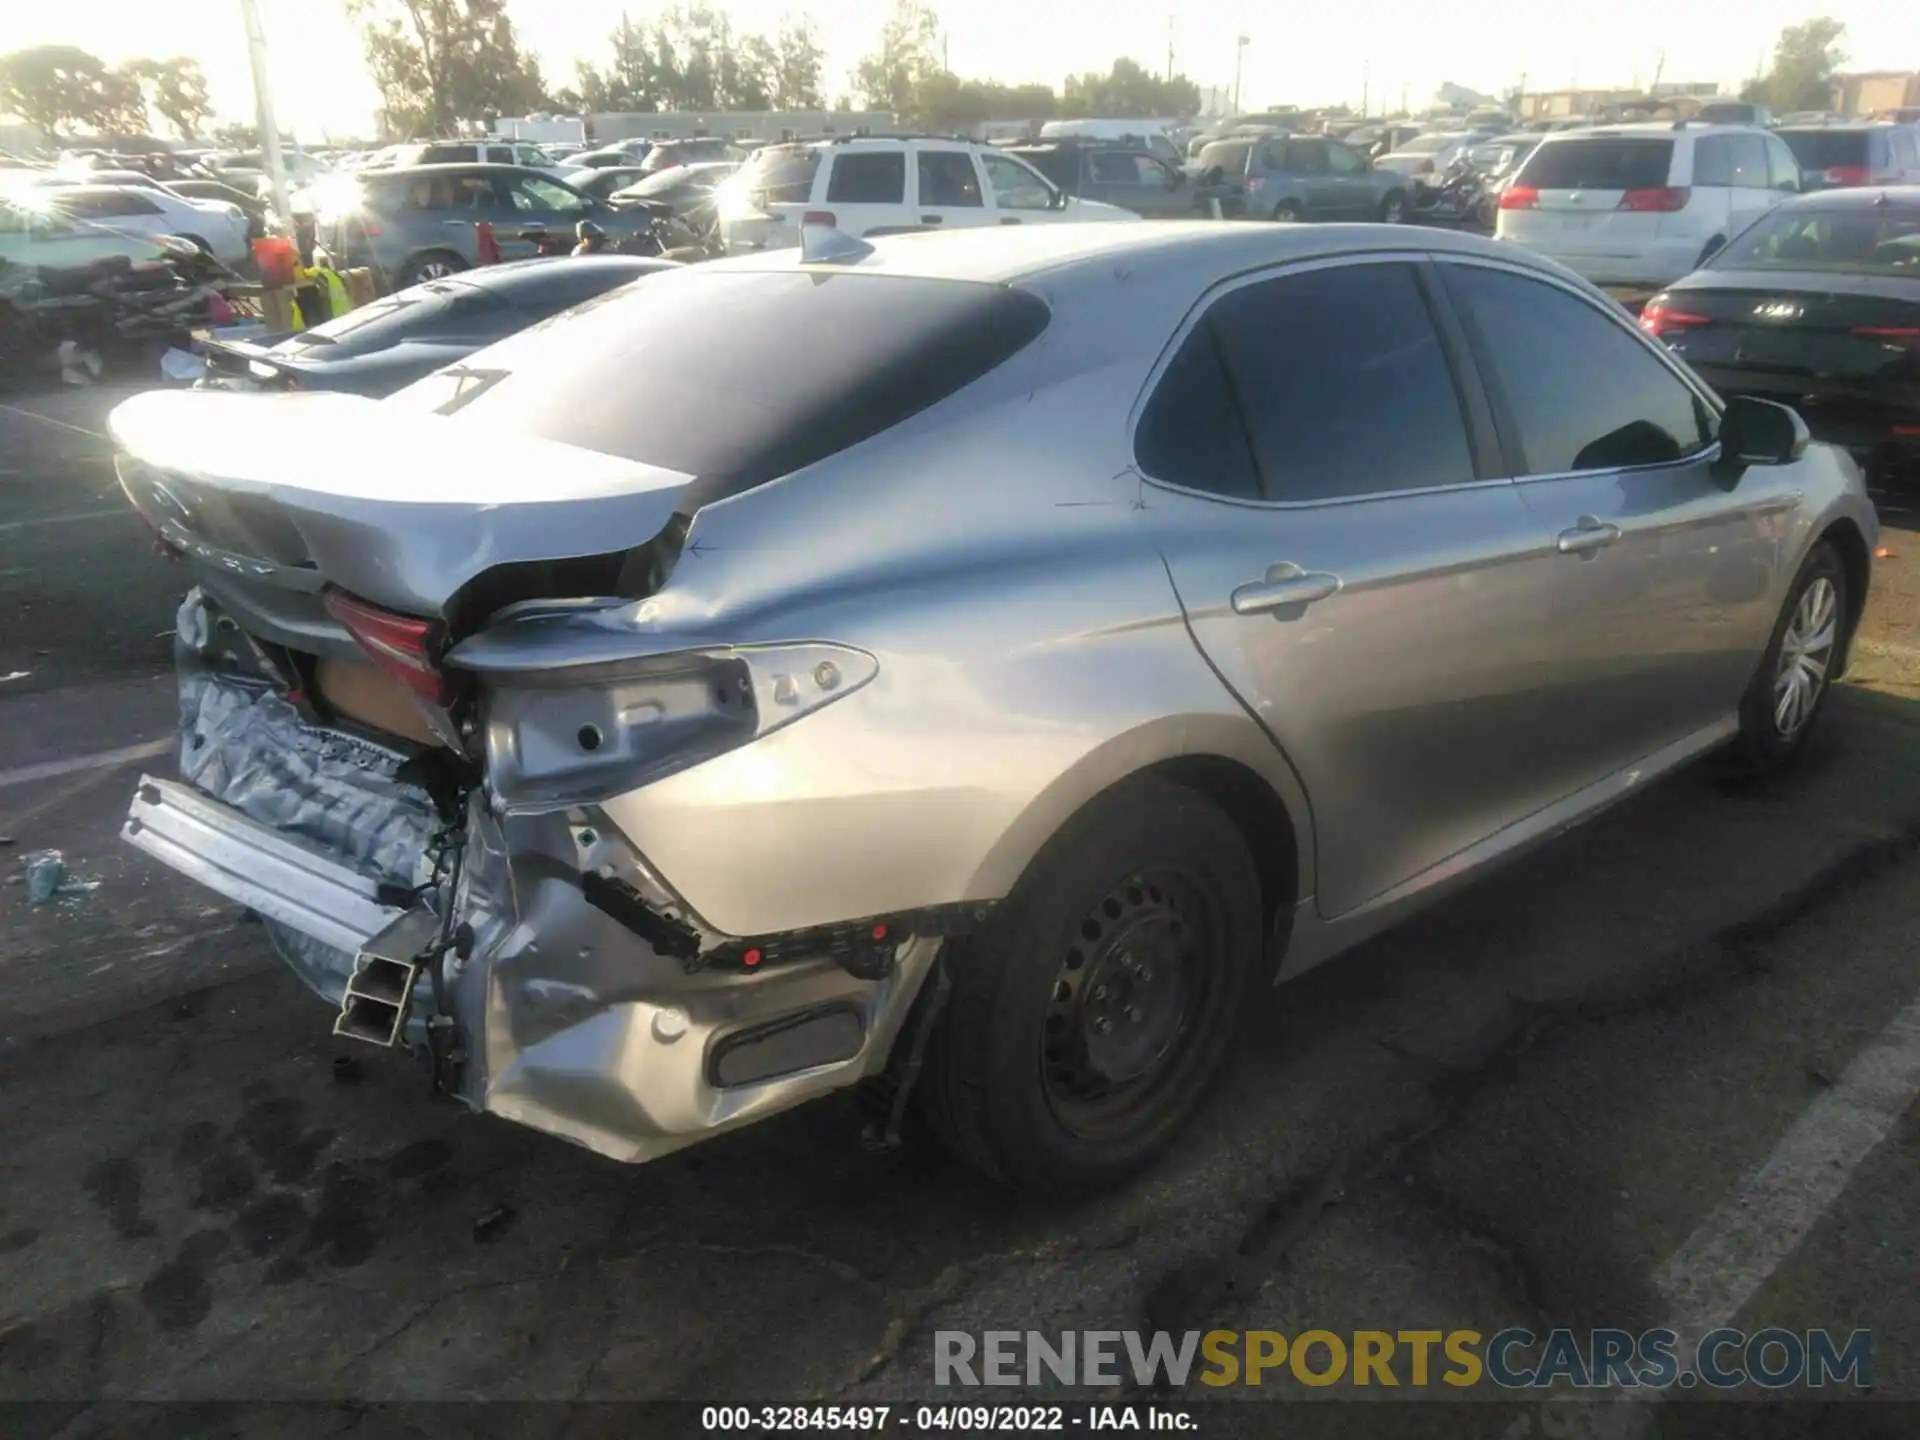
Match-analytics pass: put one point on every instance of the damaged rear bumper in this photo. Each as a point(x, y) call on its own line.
point(565, 1020)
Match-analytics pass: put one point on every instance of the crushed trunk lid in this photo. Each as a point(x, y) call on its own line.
point(403, 508)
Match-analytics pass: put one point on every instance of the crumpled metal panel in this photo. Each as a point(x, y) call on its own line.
point(244, 745)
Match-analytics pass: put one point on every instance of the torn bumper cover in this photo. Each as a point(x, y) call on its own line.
point(563, 1017)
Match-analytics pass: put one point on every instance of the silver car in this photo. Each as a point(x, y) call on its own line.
point(965, 664)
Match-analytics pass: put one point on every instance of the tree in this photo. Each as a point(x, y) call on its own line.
point(1128, 92)
point(175, 88)
point(54, 86)
point(438, 63)
point(908, 57)
point(1804, 61)
point(630, 82)
point(795, 80)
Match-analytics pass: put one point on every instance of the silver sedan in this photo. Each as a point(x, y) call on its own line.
point(961, 665)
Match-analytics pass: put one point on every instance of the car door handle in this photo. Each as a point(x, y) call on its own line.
point(1586, 537)
point(1286, 584)
point(933, 219)
point(1009, 219)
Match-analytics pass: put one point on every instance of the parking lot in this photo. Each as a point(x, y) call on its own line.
point(1543, 1103)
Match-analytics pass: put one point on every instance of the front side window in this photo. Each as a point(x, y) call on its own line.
point(1307, 157)
point(534, 194)
point(1014, 186)
point(1344, 161)
point(947, 178)
point(873, 177)
point(1151, 174)
point(1581, 390)
point(1314, 360)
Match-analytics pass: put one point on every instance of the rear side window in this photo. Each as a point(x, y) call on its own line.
point(1229, 155)
point(876, 177)
point(738, 377)
point(1190, 432)
point(1713, 162)
point(1317, 360)
point(1750, 162)
point(1582, 392)
point(1825, 149)
point(1611, 162)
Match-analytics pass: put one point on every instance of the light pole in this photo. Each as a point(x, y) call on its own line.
point(263, 107)
point(1239, 53)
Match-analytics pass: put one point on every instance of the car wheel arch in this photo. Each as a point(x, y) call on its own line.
point(1857, 562)
point(1223, 757)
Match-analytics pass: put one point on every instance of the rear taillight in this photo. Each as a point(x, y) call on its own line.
point(1662, 199)
point(1520, 197)
point(1845, 175)
point(819, 217)
point(401, 645)
point(1425, 167)
point(1660, 319)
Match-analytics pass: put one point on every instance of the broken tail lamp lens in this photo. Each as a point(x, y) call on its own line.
point(403, 646)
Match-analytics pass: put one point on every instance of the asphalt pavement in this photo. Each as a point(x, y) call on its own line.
point(1660, 1073)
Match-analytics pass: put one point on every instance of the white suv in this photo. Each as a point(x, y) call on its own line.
point(1638, 206)
point(888, 185)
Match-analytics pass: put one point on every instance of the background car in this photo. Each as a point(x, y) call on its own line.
point(665, 154)
point(601, 183)
point(1421, 161)
point(1836, 155)
point(32, 236)
point(879, 185)
point(414, 224)
point(1642, 205)
point(1112, 173)
point(613, 156)
point(395, 340)
point(1817, 305)
point(222, 230)
point(1274, 176)
point(477, 152)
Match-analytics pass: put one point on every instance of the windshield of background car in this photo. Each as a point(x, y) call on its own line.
point(738, 377)
point(1825, 149)
point(1426, 145)
point(1059, 166)
point(1229, 155)
point(778, 175)
point(1863, 241)
point(1602, 162)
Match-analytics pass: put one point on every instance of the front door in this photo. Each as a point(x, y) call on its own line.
point(1018, 194)
point(1322, 190)
point(1353, 183)
point(948, 195)
point(537, 207)
point(1663, 597)
point(1136, 181)
point(1349, 567)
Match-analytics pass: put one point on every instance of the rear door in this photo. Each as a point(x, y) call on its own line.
point(947, 189)
point(867, 192)
point(1321, 492)
point(1665, 580)
point(535, 206)
point(1579, 187)
point(1752, 193)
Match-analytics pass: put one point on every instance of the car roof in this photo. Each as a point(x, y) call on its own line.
point(1857, 197)
point(1001, 255)
point(1860, 127)
point(490, 277)
point(1649, 129)
point(454, 167)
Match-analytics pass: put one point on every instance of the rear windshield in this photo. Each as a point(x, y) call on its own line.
point(1860, 241)
point(1824, 149)
point(738, 377)
point(382, 323)
point(779, 175)
point(1229, 155)
point(1602, 162)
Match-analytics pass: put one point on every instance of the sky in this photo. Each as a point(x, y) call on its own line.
point(1323, 55)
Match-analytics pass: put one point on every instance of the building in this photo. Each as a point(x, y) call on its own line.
point(738, 124)
point(1681, 89)
point(1571, 104)
point(1868, 92)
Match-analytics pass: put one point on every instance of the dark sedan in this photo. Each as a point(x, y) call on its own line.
point(394, 341)
point(1817, 304)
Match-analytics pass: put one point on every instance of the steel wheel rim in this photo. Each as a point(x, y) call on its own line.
point(1395, 208)
point(433, 270)
point(1806, 653)
point(1125, 1002)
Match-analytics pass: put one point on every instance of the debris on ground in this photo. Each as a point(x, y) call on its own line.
point(45, 870)
point(346, 1070)
point(14, 675)
point(491, 1223)
point(1883, 553)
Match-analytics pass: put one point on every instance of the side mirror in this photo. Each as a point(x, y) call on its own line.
point(1759, 432)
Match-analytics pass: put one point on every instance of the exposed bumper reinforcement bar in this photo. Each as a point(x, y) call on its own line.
point(255, 866)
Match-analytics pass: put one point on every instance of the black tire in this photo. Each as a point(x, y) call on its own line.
point(201, 245)
point(1143, 914)
point(1289, 212)
point(428, 265)
point(1393, 208)
point(1767, 740)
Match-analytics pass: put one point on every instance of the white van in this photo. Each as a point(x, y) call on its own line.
point(1150, 135)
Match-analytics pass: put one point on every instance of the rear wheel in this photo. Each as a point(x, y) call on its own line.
point(433, 265)
point(1785, 698)
point(1087, 1020)
point(1289, 212)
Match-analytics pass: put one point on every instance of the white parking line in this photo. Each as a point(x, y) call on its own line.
point(50, 769)
point(9, 525)
point(48, 419)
